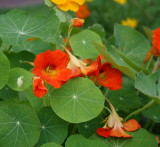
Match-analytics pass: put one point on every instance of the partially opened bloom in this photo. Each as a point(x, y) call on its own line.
point(79, 67)
point(130, 22)
point(76, 22)
point(107, 76)
point(38, 87)
point(83, 12)
point(114, 126)
point(52, 67)
point(67, 5)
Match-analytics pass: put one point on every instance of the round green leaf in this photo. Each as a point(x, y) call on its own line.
point(125, 99)
point(82, 44)
point(19, 126)
point(80, 141)
point(53, 129)
point(77, 101)
point(88, 128)
point(17, 26)
point(4, 69)
point(153, 113)
point(15, 74)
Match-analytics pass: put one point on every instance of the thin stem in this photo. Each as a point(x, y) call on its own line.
point(149, 104)
point(106, 92)
point(69, 33)
point(108, 109)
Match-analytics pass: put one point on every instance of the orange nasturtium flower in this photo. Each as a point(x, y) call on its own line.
point(76, 22)
point(51, 66)
point(107, 76)
point(67, 5)
point(83, 12)
point(38, 87)
point(130, 22)
point(114, 126)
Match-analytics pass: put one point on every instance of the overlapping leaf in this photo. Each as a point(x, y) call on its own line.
point(77, 101)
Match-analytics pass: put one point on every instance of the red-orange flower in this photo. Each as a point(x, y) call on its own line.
point(52, 67)
point(38, 87)
point(107, 76)
point(114, 126)
point(83, 12)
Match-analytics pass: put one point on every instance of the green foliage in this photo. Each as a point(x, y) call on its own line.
point(19, 126)
point(82, 44)
point(77, 101)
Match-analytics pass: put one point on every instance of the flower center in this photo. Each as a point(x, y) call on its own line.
point(50, 71)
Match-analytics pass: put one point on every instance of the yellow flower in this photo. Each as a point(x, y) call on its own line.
point(67, 5)
point(122, 2)
point(130, 22)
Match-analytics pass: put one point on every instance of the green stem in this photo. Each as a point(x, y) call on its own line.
point(149, 104)
point(69, 33)
point(149, 63)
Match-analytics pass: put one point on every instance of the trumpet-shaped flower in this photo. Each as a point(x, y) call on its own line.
point(38, 87)
point(130, 22)
point(83, 12)
point(107, 76)
point(52, 67)
point(114, 126)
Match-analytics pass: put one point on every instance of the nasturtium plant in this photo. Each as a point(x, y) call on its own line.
point(80, 73)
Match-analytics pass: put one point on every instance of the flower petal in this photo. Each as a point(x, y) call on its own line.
point(38, 87)
point(117, 131)
point(131, 125)
point(103, 132)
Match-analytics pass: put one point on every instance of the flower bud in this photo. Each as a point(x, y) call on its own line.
point(76, 22)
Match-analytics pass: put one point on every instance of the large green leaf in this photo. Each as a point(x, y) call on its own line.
point(80, 141)
point(17, 26)
point(77, 101)
point(4, 69)
point(125, 99)
point(149, 85)
point(131, 43)
point(112, 57)
point(19, 126)
point(53, 129)
point(36, 46)
point(140, 137)
point(19, 73)
point(88, 128)
point(82, 44)
point(153, 113)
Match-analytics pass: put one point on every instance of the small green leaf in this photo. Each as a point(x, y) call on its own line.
point(153, 113)
point(17, 73)
point(4, 69)
point(80, 141)
point(79, 100)
point(19, 126)
point(82, 44)
point(88, 128)
point(53, 129)
point(149, 85)
point(17, 26)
